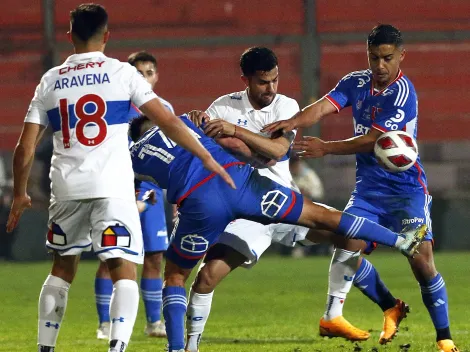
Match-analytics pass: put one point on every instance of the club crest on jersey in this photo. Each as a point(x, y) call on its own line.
point(242, 122)
point(56, 236)
point(116, 236)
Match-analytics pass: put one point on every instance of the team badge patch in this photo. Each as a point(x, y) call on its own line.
point(56, 236)
point(116, 236)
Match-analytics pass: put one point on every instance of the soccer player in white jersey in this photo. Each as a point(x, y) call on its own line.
point(242, 115)
point(154, 232)
point(382, 99)
point(87, 100)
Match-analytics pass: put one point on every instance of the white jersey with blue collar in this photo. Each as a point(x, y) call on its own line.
point(237, 109)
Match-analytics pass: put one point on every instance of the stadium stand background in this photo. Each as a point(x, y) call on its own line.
point(198, 44)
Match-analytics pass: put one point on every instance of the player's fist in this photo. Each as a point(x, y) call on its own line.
point(310, 147)
point(198, 117)
point(20, 203)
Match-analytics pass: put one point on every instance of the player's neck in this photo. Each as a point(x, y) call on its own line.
point(88, 48)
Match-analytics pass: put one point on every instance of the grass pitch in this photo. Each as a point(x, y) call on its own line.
point(273, 307)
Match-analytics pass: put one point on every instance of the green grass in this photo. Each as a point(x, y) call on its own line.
point(273, 307)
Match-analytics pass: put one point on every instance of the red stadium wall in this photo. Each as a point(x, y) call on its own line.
point(192, 78)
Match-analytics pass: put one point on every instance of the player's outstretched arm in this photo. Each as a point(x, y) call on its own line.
point(22, 161)
point(308, 116)
point(243, 152)
point(312, 147)
point(176, 130)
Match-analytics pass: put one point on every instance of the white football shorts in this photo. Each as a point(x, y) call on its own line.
point(252, 239)
point(110, 225)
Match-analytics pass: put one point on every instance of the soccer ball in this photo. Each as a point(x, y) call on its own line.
point(396, 151)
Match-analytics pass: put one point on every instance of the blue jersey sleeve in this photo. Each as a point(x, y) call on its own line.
point(340, 96)
point(400, 108)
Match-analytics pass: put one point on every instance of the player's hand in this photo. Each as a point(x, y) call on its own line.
point(310, 147)
point(281, 126)
point(198, 117)
point(219, 128)
point(212, 165)
point(20, 203)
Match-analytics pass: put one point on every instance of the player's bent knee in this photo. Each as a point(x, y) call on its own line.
point(206, 281)
point(175, 275)
point(121, 269)
point(65, 267)
point(153, 262)
point(102, 271)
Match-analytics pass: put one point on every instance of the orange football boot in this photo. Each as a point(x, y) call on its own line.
point(447, 346)
point(392, 318)
point(340, 327)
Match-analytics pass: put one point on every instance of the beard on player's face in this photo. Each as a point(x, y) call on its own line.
point(262, 87)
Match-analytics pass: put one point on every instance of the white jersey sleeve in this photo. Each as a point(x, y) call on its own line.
point(37, 112)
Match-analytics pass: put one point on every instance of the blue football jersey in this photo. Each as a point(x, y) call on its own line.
point(393, 108)
point(172, 167)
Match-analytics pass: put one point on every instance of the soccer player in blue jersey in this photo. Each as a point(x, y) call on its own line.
point(154, 230)
point(207, 206)
point(382, 99)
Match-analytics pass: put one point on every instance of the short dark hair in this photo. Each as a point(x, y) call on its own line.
point(257, 59)
point(141, 56)
point(384, 34)
point(88, 20)
point(138, 126)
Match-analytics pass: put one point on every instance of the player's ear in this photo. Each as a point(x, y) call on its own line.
point(106, 37)
point(402, 55)
point(156, 77)
point(69, 36)
point(245, 80)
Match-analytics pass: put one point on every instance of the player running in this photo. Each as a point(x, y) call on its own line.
point(87, 100)
point(382, 99)
point(207, 206)
point(154, 230)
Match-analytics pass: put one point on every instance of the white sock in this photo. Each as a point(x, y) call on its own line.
point(199, 308)
point(123, 310)
point(51, 309)
point(343, 267)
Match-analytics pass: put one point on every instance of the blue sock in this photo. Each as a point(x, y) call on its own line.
point(103, 292)
point(367, 280)
point(152, 296)
point(352, 226)
point(174, 311)
point(434, 295)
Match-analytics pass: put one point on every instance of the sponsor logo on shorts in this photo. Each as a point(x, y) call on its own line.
point(272, 203)
point(194, 244)
point(116, 236)
point(56, 236)
point(415, 220)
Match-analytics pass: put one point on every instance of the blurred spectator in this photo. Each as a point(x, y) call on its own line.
point(311, 187)
point(307, 180)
